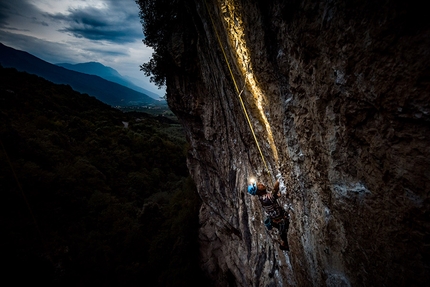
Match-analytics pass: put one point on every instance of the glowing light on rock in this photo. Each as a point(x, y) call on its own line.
point(236, 35)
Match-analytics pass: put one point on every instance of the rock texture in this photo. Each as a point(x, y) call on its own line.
point(338, 95)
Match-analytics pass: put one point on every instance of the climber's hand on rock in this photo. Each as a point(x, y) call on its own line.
point(276, 187)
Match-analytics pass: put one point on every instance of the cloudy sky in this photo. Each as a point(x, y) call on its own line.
point(78, 31)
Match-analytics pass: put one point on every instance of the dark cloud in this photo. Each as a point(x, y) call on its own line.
point(4, 14)
point(19, 11)
point(114, 24)
point(37, 21)
point(49, 51)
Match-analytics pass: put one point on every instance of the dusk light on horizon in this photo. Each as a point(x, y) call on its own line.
point(78, 31)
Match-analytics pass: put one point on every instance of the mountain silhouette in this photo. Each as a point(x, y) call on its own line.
point(106, 91)
point(107, 73)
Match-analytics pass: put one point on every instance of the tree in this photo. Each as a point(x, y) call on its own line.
point(160, 19)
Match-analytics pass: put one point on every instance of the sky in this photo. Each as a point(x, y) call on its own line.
point(79, 31)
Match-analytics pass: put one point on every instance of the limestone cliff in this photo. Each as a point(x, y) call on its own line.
point(337, 93)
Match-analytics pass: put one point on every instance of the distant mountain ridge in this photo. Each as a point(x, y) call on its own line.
point(92, 68)
point(108, 73)
point(106, 91)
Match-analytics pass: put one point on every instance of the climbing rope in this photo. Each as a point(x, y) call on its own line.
point(238, 92)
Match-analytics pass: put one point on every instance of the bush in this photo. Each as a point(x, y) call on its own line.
point(91, 203)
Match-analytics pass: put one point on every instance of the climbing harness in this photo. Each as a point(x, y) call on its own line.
point(238, 92)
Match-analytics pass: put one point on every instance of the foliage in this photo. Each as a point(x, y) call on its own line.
point(87, 201)
point(160, 20)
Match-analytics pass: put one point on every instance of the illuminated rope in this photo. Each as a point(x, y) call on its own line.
point(238, 92)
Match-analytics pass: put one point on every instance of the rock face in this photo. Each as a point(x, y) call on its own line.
point(338, 94)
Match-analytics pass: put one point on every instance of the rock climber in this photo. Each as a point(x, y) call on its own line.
point(277, 217)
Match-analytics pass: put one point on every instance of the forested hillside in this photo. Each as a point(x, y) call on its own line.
point(91, 196)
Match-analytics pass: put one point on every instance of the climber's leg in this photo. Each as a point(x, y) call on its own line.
point(281, 226)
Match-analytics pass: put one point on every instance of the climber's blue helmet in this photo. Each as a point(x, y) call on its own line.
point(252, 189)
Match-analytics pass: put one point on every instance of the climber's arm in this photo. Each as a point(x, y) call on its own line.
point(276, 191)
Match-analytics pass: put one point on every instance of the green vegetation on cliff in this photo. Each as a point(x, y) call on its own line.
point(165, 25)
point(92, 196)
